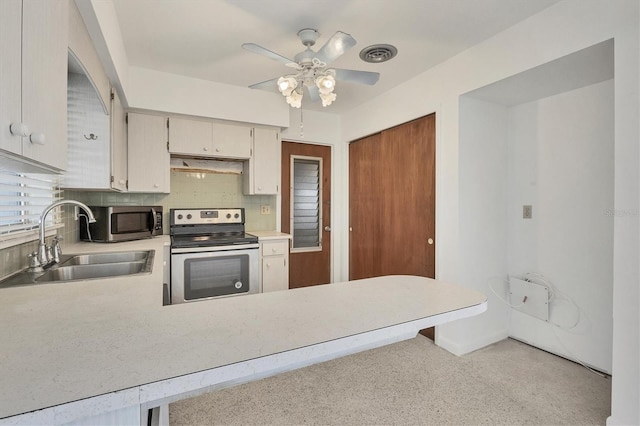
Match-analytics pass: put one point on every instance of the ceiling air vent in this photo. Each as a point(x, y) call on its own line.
point(378, 53)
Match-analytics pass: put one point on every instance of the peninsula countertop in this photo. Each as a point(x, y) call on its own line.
point(69, 341)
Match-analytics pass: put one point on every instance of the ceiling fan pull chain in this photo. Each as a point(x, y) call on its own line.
point(301, 124)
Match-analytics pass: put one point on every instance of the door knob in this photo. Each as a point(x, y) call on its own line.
point(430, 241)
point(327, 228)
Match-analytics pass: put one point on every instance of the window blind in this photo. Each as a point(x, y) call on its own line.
point(23, 197)
point(306, 215)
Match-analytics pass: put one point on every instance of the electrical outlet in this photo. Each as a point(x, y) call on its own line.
point(265, 209)
point(527, 211)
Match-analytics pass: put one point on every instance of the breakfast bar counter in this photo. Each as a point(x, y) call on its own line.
point(105, 350)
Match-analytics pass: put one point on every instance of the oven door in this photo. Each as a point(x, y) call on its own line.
point(227, 271)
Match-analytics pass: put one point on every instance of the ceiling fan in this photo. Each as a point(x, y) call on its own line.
point(312, 69)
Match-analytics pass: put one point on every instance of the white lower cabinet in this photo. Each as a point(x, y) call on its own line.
point(274, 255)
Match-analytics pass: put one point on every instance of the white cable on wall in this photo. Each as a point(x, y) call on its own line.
point(554, 295)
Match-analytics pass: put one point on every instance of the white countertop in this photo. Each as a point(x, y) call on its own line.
point(68, 341)
point(269, 235)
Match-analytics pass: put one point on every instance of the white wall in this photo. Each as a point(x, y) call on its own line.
point(561, 161)
point(161, 91)
point(557, 31)
point(483, 216)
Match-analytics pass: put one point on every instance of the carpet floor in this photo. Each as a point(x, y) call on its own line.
point(414, 383)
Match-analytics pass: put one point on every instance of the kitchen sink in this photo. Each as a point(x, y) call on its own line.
point(100, 258)
point(86, 272)
point(87, 267)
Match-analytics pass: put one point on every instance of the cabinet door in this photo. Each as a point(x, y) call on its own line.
point(266, 161)
point(231, 141)
point(275, 265)
point(274, 274)
point(10, 74)
point(44, 80)
point(148, 155)
point(190, 136)
point(118, 144)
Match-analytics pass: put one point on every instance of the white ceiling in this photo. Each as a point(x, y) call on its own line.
point(203, 38)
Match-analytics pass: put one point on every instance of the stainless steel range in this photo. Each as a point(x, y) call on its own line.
point(211, 255)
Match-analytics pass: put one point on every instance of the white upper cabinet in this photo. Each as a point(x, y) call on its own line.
point(119, 172)
point(190, 137)
point(149, 161)
point(206, 138)
point(231, 141)
point(33, 81)
point(262, 171)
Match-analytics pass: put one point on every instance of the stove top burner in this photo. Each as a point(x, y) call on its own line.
point(208, 228)
point(212, 240)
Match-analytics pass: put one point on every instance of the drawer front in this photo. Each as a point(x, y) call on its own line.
point(274, 248)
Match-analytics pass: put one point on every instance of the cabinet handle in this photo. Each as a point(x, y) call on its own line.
point(37, 138)
point(155, 185)
point(19, 129)
point(121, 182)
point(268, 265)
point(205, 149)
point(217, 149)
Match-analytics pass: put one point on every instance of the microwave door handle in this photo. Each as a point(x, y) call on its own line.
point(154, 220)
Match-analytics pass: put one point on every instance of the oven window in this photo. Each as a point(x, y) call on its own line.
point(216, 276)
point(126, 223)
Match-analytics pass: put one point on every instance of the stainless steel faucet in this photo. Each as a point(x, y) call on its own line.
point(44, 256)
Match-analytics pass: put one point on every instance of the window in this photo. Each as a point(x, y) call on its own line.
point(306, 214)
point(23, 197)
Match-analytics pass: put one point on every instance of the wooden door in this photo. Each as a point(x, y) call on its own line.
point(308, 266)
point(392, 202)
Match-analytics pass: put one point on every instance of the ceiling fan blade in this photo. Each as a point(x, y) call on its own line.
point(252, 47)
point(362, 77)
point(334, 48)
point(314, 93)
point(270, 85)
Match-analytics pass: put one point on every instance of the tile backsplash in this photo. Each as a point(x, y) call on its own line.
point(188, 189)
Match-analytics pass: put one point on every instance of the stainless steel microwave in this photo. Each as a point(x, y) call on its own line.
point(121, 223)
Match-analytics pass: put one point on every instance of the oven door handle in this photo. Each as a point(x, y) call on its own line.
point(214, 249)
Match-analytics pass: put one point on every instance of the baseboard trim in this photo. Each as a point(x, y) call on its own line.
point(473, 345)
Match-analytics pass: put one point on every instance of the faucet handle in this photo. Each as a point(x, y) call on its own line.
point(56, 249)
point(34, 263)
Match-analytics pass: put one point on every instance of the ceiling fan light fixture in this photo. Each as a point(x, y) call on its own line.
point(327, 98)
point(294, 99)
point(326, 82)
point(287, 84)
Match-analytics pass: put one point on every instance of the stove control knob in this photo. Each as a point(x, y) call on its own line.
point(228, 215)
point(189, 216)
point(236, 215)
point(179, 216)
